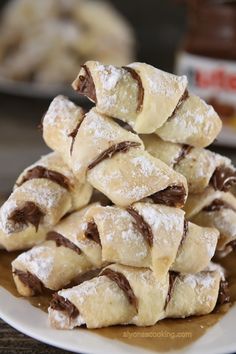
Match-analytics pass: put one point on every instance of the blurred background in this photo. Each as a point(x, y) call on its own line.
point(43, 43)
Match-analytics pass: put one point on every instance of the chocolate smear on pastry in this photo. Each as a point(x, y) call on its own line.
point(74, 133)
point(141, 225)
point(85, 85)
point(223, 296)
point(171, 196)
point(124, 146)
point(183, 98)
point(123, 284)
point(185, 232)
point(59, 303)
point(183, 153)
point(92, 233)
point(223, 178)
point(43, 172)
point(62, 241)
point(30, 213)
point(30, 280)
point(137, 78)
point(217, 205)
point(172, 279)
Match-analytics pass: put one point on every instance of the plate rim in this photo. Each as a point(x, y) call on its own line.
point(16, 323)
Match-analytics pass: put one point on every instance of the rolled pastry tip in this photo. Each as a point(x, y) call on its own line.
point(60, 125)
point(135, 175)
point(62, 258)
point(134, 296)
point(82, 139)
point(215, 209)
point(201, 167)
point(153, 236)
point(114, 162)
point(22, 240)
point(43, 194)
point(150, 100)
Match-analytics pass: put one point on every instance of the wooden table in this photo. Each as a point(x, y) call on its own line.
point(12, 342)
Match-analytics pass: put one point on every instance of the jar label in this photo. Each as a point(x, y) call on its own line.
point(212, 79)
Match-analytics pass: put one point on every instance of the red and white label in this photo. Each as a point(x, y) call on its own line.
point(211, 79)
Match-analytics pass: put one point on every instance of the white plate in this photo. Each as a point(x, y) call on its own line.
point(18, 313)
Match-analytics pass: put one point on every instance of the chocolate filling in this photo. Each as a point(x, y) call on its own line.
point(62, 241)
point(29, 213)
point(137, 78)
point(111, 151)
point(217, 205)
point(92, 232)
point(183, 98)
point(74, 133)
point(123, 284)
point(42, 172)
point(59, 303)
point(141, 225)
point(223, 178)
point(183, 153)
point(124, 125)
point(184, 233)
point(223, 296)
point(171, 196)
point(30, 280)
point(172, 279)
point(232, 245)
point(85, 85)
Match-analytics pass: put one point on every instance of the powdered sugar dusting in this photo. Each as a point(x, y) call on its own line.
point(39, 261)
point(116, 228)
point(62, 115)
point(110, 75)
point(160, 216)
point(145, 165)
point(6, 210)
point(42, 194)
point(194, 119)
point(61, 320)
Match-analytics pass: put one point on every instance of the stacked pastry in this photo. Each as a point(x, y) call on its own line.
point(142, 258)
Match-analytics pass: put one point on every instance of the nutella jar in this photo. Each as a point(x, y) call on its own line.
point(208, 56)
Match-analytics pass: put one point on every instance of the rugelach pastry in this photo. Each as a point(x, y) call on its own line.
point(151, 235)
point(42, 195)
point(128, 295)
point(65, 255)
point(215, 209)
point(109, 157)
point(144, 235)
point(150, 100)
point(201, 167)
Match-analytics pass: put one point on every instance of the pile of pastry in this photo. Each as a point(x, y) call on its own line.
point(129, 200)
point(44, 41)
